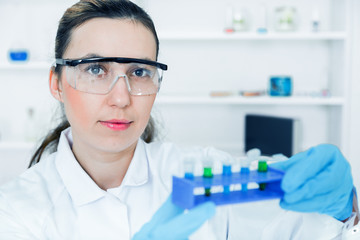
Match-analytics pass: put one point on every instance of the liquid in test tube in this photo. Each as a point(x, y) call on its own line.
point(189, 168)
point(245, 169)
point(207, 164)
point(262, 167)
point(227, 172)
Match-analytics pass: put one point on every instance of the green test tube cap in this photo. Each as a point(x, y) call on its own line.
point(207, 169)
point(262, 166)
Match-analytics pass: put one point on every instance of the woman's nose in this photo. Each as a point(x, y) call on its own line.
point(119, 95)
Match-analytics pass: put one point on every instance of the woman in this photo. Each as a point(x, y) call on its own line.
point(104, 182)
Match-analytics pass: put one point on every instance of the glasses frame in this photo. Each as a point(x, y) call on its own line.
point(75, 62)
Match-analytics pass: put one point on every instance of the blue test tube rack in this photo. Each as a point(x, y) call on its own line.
point(183, 188)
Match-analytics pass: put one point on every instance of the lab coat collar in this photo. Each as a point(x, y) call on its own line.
point(79, 184)
point(138, 171)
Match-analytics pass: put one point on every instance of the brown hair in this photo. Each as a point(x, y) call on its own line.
point(73, 17)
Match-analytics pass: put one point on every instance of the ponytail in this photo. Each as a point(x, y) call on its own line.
point(49, 143)
point(150, 132)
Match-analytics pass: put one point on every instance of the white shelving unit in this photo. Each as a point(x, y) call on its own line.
point(17, 145)
point(207, 36)
point(32, 66)
point(263, 100)
point(213, 60)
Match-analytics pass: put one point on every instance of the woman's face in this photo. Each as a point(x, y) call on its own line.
point(112, 122)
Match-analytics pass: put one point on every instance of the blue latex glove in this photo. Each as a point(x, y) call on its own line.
point(172, 223)
point(317, 180)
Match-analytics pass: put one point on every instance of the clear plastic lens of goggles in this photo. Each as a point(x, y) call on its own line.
point(151, 87)
point(85, 84)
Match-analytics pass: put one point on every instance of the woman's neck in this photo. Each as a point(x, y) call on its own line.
point(107, 169)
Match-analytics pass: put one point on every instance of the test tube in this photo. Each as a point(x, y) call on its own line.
point(262, 167)
point(251, 155)
point(245, 169)
point(227, 172)
point(227, 169)
point(189, 168)
point(279, 157)
point(207, 169)
point(207, 165)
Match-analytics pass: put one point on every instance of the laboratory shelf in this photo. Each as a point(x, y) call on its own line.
point(25, 66)
point(264, 100)
point(17, 145)
point(326, 36)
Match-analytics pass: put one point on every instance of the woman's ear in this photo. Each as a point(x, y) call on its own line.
point(55, 85)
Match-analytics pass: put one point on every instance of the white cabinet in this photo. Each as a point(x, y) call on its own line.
point(202, 59)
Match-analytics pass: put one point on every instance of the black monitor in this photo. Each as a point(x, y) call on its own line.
point(272, 135)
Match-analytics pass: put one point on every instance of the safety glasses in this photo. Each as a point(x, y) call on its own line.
point(99, 75)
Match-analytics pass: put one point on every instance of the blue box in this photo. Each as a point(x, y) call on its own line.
point(183, 188)
point(280, 86)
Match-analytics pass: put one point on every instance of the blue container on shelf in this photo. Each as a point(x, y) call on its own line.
point(280, 86)
point(18, 55)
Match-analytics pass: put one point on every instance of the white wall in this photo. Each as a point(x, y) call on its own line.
point(31, 25)
point(354, 126)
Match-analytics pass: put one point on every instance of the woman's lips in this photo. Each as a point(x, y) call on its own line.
point(116, 124)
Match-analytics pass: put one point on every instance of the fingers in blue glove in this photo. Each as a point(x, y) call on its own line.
point(183, 225)
point(323, 204)
point(326, 181)
point(317, 180)
point(323, 163)
point(307, 165)
point(165, 213)
point(171, 221)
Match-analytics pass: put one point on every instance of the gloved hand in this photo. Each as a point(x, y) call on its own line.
point(317, 180)
point(171, 221)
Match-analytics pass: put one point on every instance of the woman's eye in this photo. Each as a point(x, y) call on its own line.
point(95, 70)
point(141, 72)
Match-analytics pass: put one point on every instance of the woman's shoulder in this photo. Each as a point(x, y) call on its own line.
point(26, 201)
point(36, 186)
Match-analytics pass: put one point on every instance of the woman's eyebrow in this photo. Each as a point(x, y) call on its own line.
point(94, 55)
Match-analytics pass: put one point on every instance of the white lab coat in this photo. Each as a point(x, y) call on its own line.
point(56, 199)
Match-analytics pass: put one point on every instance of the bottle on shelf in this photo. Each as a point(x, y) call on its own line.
point(229, 15)
point(285, 19)
point(262, 27)
point(30, 129)
point(241, 20)
point(315, 21)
